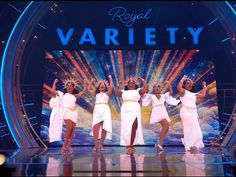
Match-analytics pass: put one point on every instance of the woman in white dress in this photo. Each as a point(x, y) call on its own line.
point(193, 138)
point(69, 110)
point(131, 127)
point(56, 121)
point(159, 113)
point(102, 126)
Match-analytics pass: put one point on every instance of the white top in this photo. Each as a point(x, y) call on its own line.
point(189, 99)
point(70, 108)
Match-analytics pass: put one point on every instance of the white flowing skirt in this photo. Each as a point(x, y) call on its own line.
point(129, 112)
point(102, 113)
point(159, 113)
point(55, 126)
point(191, 128)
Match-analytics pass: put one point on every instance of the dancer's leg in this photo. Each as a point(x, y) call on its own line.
point(104, 132)
point(130, 148)
point(95, 135)
point(165, 128)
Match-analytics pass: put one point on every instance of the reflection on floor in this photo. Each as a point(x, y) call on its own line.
point(114, 161)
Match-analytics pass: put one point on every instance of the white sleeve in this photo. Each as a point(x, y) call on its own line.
point(53, 103)
point(146, 99)
point(171, 100)
point(60, 93)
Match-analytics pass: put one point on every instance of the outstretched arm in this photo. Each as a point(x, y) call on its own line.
point(90, 89)
point(170, 87)
point(180, 86)
point(78, 95)
point(145, 88)
point(53, 89)
point(202, 93)
point(117, 90)
point(111, 86)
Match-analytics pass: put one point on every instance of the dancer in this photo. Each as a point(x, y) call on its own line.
point(131, 127)
point(102, 126)
point(56, 121)
point(193, 138)
point(69, 110)
point(159, 113)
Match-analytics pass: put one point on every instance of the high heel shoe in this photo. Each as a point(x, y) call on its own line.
point(159, 147)
point(130, 149)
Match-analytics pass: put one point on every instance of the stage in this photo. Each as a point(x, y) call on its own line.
point(146, 161)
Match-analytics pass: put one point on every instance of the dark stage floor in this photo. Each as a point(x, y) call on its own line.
point(114, 161)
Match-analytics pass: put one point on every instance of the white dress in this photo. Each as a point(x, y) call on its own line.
point(56, 120)
point(70, 108)
point(102, 113)
point(130, 110)
point(159, 111)
point(189, 116)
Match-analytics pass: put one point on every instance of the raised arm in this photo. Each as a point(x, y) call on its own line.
point(170, 87)
point(202, 93)
point(111, 86)
point(117, 90)
point(145, 88)
point(53, 88)
point(90, 89)
point(78, 95)
point(180, 86)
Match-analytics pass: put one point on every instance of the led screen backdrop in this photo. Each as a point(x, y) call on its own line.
point(152, 65)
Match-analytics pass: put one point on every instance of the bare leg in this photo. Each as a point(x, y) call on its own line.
point(104, 132)
point(133, 133)
point(165, 128)
point(72, 124)
point(67, 134)
point(95, 135)
point(130, 148)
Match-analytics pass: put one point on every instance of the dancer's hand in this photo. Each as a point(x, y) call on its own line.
point(140, 78)
point(167, 83)
point(119, 84)
point(56, 81)
point(184, 78)
point(204, 84)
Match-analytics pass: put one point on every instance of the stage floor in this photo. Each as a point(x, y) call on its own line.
point(146, 161)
